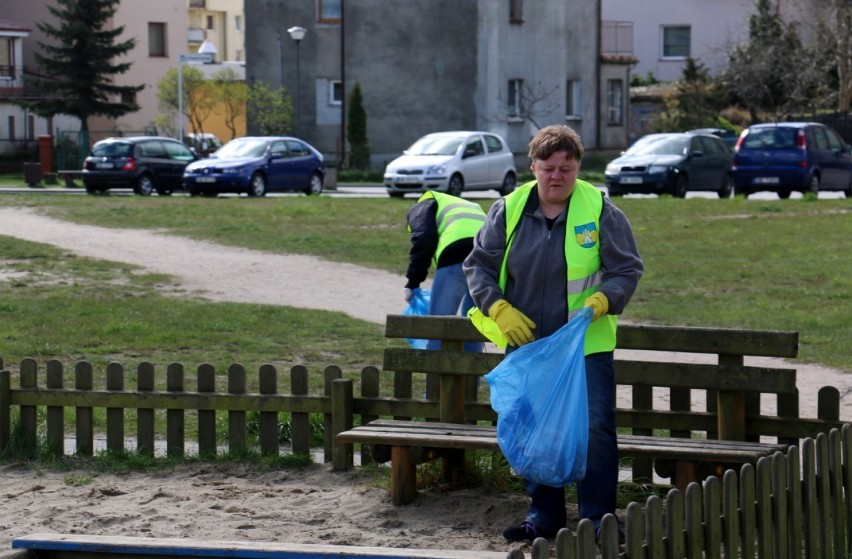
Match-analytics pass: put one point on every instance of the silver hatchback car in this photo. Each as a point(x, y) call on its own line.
point(453, 162)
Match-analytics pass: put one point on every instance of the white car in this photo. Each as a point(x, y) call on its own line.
point(453, 162)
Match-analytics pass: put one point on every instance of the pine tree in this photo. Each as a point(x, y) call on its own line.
point(356, 131)
point(81, 62)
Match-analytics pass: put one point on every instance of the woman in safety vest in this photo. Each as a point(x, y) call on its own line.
point(547, 250)
point(442, 228)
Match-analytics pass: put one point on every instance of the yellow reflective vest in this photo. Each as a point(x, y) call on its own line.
point(582, 255)
point(456, 219)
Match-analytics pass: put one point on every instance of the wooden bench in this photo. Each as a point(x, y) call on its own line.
point(409, 443)
point(70, 176)
point(724, 440)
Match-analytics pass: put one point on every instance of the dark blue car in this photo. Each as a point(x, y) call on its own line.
point(785, 156)
point(257, 165)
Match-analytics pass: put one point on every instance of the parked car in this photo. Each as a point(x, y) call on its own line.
point(728, 136)
point(786, 156)
point(672, 164)
point(203, 143)
point(453, 162)
point(257, 165)
point(143, 163)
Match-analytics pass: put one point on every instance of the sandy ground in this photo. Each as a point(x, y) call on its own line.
point(233, 503)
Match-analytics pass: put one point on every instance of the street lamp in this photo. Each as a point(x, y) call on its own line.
point(297, 34)
point(206, 54)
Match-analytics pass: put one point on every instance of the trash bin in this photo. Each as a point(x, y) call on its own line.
point(330, 182)
point(32, 173)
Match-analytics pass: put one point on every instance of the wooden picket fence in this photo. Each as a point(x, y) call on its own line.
point(791, 506)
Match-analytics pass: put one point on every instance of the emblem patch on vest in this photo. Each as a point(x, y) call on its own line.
point(587, 234)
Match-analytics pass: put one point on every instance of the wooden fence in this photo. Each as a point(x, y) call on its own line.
point(792, 506)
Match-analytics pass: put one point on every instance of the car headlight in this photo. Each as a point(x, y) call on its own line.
point(437, 170)
point(657, 169)
point(612, 169)
point(233, 170)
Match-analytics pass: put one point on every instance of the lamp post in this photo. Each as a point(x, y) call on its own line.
point(206, 53)
point(297, 34)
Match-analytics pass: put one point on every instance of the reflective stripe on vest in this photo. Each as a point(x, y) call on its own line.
point(582, 257)
point(456, 219)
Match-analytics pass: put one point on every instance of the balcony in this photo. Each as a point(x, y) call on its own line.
point(194, 35)
point(197, 3)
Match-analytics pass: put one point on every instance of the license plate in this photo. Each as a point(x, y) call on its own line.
point(407, 179)
point(630, 180)
point(766, 180)
point(205, 179)
point(104, 166)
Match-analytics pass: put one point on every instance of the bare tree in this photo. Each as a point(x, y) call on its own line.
point(528, 103)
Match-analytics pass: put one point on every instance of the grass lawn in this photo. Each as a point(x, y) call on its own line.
point(779, 265)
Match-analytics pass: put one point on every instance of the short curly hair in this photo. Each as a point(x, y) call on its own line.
point(552, 139)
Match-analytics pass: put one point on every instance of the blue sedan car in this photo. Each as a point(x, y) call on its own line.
point(257, 165)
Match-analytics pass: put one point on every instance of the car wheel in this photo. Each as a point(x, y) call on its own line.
point(783, 194)
point(681, 186)
point(315, 187)
point(813, 185)
point(509, 184)
point(456, 185)
point(144, 185)
point(741, 191)
point(848, 191)
point(727, 187)
point(257, 187)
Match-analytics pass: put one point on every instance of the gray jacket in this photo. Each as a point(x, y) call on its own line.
point(536, 283)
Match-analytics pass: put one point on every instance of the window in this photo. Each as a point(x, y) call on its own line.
point(238, 24)
point(514, 103)
point(335, 92)
point(210, 23)
point(12, 128)
point(7, 61)
point(516, 11)
point(676, 41)
point(128, 97)
point(494, 144)
point(572, 99)
point(330, 11)
point(156, 39)
point(614, 101)
point(30, 127)
point(473, 149)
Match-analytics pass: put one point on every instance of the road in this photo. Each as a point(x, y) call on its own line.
point(378, 191)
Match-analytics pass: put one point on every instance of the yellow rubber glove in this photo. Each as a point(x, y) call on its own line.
point(599, 304)
point(514, 324)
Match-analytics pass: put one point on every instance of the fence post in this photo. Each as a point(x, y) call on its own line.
point(29, 414)
point(341, 414)
point(207, 417)
point(55, 414)
point(85, 428)
point(300, 425)
point(115, 416)
point(5, 408)
point(331, 373)
point(236, 419)
point(175, 421)
point(145, 444)
point(268, 419)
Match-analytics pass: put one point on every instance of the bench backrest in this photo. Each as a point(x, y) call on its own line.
point(714, 363)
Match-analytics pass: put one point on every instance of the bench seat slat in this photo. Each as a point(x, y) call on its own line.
point(449, 435)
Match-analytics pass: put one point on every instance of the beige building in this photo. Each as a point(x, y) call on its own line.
point(163, 30)
point(220, 22)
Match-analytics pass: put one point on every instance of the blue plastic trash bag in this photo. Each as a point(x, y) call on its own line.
point(539, 394)
point(418, 306)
